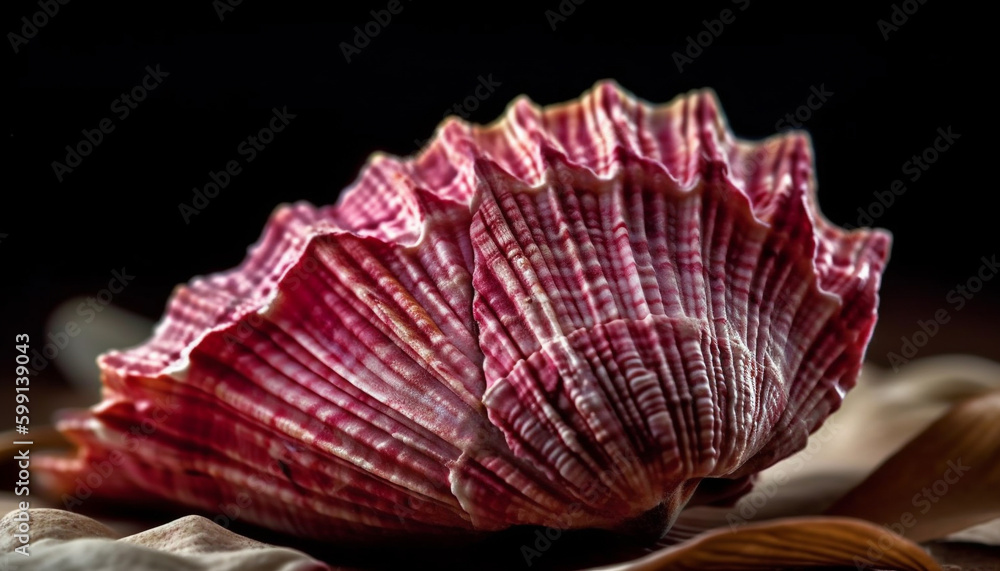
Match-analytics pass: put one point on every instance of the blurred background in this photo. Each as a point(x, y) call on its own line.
point(96, 243)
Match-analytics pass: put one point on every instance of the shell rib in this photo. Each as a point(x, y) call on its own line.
point(570, 317)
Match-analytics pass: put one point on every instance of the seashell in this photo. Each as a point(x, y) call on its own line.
point(587, 315)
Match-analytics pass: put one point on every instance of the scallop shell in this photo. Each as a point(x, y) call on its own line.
point(584, 315)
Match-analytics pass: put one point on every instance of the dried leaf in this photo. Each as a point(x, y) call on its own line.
point(944, 480)
point(791, 542)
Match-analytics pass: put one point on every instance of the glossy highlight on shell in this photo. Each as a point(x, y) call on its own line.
point(585, 315)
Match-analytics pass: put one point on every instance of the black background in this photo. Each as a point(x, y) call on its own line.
point(120, 207)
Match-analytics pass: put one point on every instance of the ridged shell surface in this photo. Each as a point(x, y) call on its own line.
point(577, 316)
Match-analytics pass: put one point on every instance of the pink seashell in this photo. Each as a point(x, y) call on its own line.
point(571, 317)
